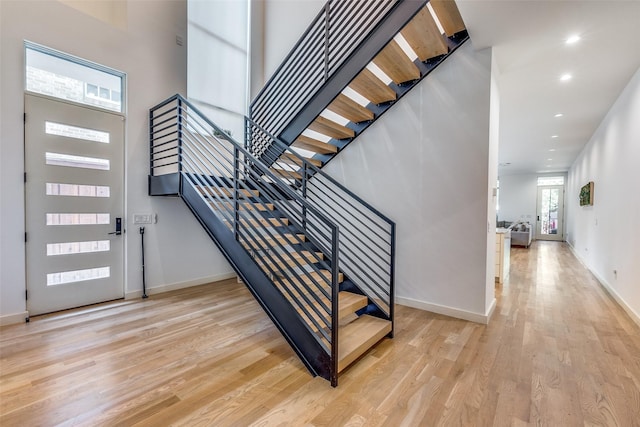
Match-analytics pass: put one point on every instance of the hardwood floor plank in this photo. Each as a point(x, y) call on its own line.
point(558, 351)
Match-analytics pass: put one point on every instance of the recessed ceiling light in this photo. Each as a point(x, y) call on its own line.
point(549, 159)
point(554, 136)
point(553, 149)
point(565, 77)
point(559, 115)
point(548, 166)
point(573, 39)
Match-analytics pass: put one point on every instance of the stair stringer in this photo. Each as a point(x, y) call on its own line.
point(280, 311)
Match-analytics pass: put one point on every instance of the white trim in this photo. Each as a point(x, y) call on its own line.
point(180, 285)
point(13, 319)
point(448, 311)
point(607, 287)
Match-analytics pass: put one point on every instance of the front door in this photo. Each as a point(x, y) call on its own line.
point(74, 201)
point(550, 208)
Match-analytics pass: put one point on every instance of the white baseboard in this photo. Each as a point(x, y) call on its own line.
point(12, 319)
point(448, 311)
point(607, 287)
point(180, 285)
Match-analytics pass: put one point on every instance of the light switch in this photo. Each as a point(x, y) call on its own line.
point(142, 218)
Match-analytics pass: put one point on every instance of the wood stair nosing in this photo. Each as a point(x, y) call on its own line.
point(226, 192)
point(291, 259)
point(265, 222)
point(359, 336)
point(314, 145)
point(350, 109)
point(330, 128)
point(372, 88)
point(286, 174)
point(449, 16)
point(266, 242)
point(424, 37)
point(244, 206)
point(323, 276)
point(396, 64)
point(348, 304)
point(291, 159)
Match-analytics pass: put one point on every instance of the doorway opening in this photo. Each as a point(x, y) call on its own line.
point(550, 208)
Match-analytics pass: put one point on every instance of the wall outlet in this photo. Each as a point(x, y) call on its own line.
point(143, 218)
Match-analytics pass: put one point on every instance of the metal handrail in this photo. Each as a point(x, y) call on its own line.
point(298, 82)
point(380, 247)
point(212, 166)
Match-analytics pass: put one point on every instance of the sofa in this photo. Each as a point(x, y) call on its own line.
point(521, 234)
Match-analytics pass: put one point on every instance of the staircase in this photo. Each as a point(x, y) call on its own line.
point(317, 258)
point(328, 288)
point(410, 39)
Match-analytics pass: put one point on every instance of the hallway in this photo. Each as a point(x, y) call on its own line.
point(558, 351)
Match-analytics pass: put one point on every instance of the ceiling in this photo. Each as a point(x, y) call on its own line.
point(530, 48)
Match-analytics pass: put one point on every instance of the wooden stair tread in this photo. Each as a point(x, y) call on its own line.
point(348, 304)
point(372, 88)
point(291, 259)
point(226, 192)
point(286, 174)
point(350, 109)
point(291, 159)
point(424, 37)
point(314, 145)
point(263, 222)
point(449, 16)
point(330, 128)
point(324, 276)
point(244, 206)
point(396, 64)
point(359, 336)
point(267, 242)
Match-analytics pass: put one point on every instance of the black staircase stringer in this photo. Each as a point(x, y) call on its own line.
point(384, 32)
point(281, 312)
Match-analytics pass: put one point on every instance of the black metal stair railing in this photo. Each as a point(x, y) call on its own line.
point(268, 218)
point(367, 237)
point(333, 35)
point(343, 38)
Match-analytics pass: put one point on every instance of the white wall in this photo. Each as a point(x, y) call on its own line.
point(605, 236)
point(518, 194)
point(178, 252)
point(425, 164)
point(217, 61)
point(284, 22)
point(492, 178)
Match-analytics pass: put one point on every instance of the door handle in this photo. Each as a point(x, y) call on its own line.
point(538, 217)
point(118, 227)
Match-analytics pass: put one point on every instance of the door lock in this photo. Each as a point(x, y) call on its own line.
point(118, 227)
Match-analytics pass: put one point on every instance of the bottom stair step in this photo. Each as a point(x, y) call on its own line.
point(359, 336)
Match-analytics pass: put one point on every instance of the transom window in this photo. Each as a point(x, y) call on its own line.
point(550, 180)
point(66, 77)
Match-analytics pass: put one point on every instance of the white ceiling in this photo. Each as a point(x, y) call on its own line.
point(529, 41)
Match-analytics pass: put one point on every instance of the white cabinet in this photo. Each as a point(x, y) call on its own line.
point(503, 253)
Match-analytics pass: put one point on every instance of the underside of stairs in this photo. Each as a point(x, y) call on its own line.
point(322, 128)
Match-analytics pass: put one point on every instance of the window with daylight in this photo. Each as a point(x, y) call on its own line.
point(550, 180)
point(63, 76)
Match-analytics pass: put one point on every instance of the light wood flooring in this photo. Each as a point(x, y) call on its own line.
point(558, 352)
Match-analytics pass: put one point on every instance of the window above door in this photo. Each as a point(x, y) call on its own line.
point(66, 77)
